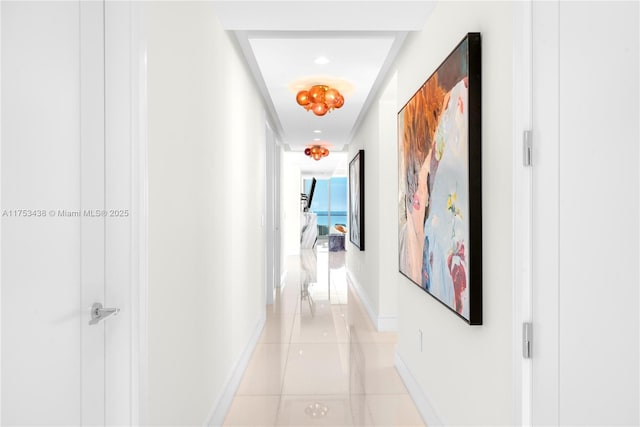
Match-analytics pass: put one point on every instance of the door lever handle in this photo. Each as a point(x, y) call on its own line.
point(98, 313)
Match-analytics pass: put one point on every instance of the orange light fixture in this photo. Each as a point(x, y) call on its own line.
point(316, 152)
point(320, 99)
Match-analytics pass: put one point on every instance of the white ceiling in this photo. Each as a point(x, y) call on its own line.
point(286, 64)
point(280, 41)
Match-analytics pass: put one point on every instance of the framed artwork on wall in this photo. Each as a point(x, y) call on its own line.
point(439, 177)
point(356, 200)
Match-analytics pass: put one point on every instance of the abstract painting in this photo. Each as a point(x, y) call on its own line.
point(439, 177)
point(356, 200)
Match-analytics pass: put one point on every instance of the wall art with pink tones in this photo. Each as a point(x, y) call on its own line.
point(440, 183)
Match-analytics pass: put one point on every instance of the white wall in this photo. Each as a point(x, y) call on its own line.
point(387, 202)
point(463, 366)
point(206, 204)
point(362, 266)
point(465, 372)
point(373, 270)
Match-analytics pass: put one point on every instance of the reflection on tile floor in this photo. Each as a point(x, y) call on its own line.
point(320, 360)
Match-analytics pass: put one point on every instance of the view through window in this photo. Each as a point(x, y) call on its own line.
point(329, 203)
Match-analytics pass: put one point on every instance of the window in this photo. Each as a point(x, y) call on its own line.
point(329, 203)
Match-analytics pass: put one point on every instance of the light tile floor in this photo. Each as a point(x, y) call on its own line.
point(320, 360)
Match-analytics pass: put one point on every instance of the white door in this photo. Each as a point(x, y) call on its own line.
point(586, 192)
point(66, 214)
point(272, 200)
point(270, 253)
point(277, 244)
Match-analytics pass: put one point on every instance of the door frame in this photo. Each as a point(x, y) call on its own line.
point(140, 217)
point(129, 93)
point(522, 192)
point(273, 255)
point(270, 213)
point(544, 299)
point(0, 221)
point(536, 70)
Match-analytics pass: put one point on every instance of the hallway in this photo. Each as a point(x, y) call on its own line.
point(320, 360)
point(153, 156)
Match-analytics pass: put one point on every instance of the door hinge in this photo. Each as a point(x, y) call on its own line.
point(527, 147)
point(527, 330)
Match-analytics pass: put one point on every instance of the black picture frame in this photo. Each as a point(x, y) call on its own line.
point(440, 183)
point(356, 200)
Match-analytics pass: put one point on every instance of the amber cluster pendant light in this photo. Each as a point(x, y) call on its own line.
point(316, 152)
point(320, 99)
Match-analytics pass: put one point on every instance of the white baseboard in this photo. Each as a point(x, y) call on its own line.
point(221, 407)
point(426, 409)
point(364, 298)
point(382, 323)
